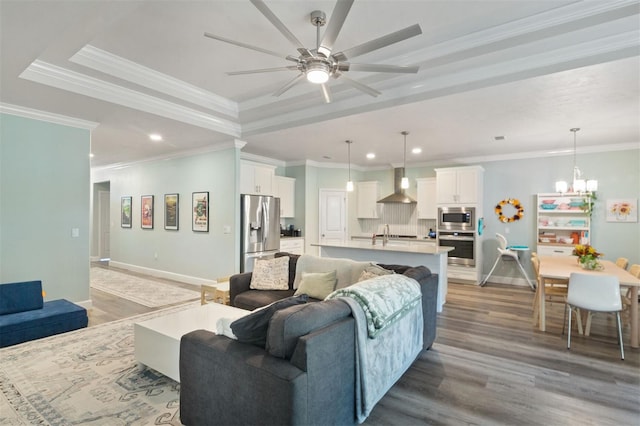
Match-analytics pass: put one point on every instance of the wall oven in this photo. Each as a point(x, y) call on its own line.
point(456, 218)
point(463, 244)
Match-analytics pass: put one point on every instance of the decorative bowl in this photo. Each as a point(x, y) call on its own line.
point(577, 200)
point(548, 201)
point(548, 206)
point(576, 204)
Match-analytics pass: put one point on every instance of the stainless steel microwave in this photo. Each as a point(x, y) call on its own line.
point(456, 218)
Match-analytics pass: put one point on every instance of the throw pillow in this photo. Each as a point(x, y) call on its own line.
point(270, 274)
point(253, 327)
point(317, 284)
point(372, 271)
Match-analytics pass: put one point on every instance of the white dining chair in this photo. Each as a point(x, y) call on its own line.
point(504, 252)
point(594, 293)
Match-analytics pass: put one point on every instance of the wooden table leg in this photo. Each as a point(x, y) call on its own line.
point(541, 307)
point(634, 317)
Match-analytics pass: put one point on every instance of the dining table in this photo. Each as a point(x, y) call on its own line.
point(561, 267)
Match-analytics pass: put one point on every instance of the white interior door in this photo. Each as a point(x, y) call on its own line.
point(333, 216)
point(104, 223)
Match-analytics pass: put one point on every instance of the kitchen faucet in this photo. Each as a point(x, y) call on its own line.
point(385, 235)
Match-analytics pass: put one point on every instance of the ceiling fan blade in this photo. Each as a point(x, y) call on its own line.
point(262, 70)
point(362, 87)
point(326, 93)
point(247, 46)
point(289, 85)
point(338, 16)
point(379, 43)
point(380, 68)
point(262, 7)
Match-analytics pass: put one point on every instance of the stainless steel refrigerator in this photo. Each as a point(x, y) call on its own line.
point(259, 229)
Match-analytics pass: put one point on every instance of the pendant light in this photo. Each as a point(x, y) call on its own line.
point(349, 182)
point(404, 183)
point(578, 184)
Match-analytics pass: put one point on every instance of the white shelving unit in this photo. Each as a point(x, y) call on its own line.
point(563, 221)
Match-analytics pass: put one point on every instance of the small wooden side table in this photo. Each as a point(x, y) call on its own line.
point(219, 293)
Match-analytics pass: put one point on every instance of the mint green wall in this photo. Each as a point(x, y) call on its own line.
point(194, 254)
point(44, 194)
point(618, 175)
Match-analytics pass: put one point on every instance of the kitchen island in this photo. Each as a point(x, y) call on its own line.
point(399, 253)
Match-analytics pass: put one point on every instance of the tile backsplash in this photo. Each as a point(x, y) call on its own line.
point(402, 220)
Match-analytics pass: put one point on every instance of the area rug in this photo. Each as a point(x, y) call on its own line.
point(88, 377)
point(146, 292)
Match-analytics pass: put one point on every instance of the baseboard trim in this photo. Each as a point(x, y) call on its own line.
point(87, 304)
point(187, 279)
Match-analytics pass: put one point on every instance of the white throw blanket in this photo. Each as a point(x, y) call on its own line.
point(380, 362)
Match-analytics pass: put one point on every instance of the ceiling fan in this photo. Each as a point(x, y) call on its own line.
point(320, 64)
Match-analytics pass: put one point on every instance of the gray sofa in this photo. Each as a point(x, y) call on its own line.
point(306, 373)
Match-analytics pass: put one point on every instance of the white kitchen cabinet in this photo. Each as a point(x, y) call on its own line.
point(426, 197)
point(292, 245)
point(285, 189)
point(459, 185)
point(256, 178)
point(367, 200)
point(563, 221)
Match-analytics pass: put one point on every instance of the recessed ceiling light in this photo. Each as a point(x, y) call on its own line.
point(371, 156)
point(416, 150)
point(155, 137)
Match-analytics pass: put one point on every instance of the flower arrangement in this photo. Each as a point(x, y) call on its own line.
point(587, 256)
point(621, 210)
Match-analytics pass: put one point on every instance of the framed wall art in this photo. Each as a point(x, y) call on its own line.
point(171, 212)
point(200, 211)
point(125, 212)
point(146, 212)
point(622, 210)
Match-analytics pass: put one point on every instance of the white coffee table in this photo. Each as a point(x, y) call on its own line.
point(157, 341)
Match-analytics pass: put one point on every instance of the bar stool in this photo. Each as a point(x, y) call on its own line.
point(506, 252)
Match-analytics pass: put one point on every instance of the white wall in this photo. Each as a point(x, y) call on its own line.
point(44, 195)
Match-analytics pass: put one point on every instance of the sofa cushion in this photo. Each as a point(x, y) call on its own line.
point(270, 274)
point(372, 271)
point(253, 327)
point(20, 297)
point(293, 261)
point(287, 325)
point(254, 299)
point(347, 271)
point(317, 284)
point(56, 316)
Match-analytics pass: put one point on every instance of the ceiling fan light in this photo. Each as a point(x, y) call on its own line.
point(318, 73)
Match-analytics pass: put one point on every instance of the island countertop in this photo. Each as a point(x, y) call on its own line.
point(400, 247)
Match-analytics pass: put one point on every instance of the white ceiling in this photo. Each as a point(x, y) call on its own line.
point(525, 70)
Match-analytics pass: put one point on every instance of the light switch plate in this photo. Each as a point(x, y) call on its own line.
point(75, 232)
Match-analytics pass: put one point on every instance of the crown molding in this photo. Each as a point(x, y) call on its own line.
point(262, 160)
point(222, 146)
point(62, 78)
point(47, 116)
point(116, 66)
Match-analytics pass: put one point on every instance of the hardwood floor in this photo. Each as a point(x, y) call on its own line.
point(489, 365)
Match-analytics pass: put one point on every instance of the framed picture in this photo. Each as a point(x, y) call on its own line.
point(125, 212)
point(622, 210)
point(200, 211)
point(146, 212)
point(171, 212)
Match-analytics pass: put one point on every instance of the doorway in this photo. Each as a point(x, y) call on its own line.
point(333, 216)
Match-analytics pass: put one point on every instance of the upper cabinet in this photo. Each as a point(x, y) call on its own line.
point(285, 189)
point(367, 200)
point(427, 207)
point(459, 185)
point(256, 178)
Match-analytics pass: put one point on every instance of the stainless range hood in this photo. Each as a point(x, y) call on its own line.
point(398, 195)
